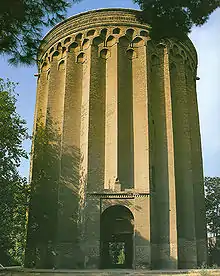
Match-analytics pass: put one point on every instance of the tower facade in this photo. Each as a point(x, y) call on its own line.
point(116, 168)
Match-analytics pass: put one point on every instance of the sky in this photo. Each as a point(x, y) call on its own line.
point(206, 40)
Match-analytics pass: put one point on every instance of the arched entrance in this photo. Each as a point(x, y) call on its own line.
point(116, 237)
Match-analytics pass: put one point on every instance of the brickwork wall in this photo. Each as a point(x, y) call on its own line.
point(124, 115)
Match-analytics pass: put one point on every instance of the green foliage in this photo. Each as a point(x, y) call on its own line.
point(12, 131)
point(13, 188)
point(117, 253)
point(121, 257)
point(212, 191)
point(51, 193)
point(42, 218)
point(14, 195)
point(21, 25)
point(175, 17)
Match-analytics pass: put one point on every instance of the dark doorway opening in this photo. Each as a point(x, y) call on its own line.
point(116, 237)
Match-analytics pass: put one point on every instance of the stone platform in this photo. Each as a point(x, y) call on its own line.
point(115, 272)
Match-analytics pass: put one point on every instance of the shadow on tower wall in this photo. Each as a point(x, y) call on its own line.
point(54, 210)
point(57, 225)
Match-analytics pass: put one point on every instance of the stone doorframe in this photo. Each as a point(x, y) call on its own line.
point(139, 205)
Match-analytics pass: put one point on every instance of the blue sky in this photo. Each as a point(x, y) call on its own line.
point(206, 40)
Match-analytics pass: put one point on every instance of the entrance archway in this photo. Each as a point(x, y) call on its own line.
point(116, 237)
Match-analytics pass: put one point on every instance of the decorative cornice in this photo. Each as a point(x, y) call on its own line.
point(92, 19)
point(85, 27)
point(119, 194)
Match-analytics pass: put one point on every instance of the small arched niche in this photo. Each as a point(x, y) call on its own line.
point(173, 71)
point(130, 32)
point(79, 37)
point(73, 47)
point(55, 55)
point(51, 50)
point(183, 54)
point(104, 53)
point(110, 41)
point(85, 44)
point(116, 31)
point(138, 42)
point(144, 33)
point(44, 66)
point(80, 58)
point(67, 40)
point(104, 32)
point(171, 52)
point(131, 54)
point(175, 49)
point(61, 65)
point(124, 41)
point(97, 41)
point(91, 33)
point(59, 46)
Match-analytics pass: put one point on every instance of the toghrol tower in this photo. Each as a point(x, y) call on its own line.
point(116, 170)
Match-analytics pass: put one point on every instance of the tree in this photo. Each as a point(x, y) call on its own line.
point(22, 23)
point(212, 192)
point(51, 192)
point(44, 189)
point(175, 17)
point(13, 188)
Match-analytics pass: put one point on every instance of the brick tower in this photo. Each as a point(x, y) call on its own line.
point(116, 170)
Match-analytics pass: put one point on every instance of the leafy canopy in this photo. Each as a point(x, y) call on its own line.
point(12, 131)
point(175, 17)
point(13, 188)
point(22, 23)
point(212, 192)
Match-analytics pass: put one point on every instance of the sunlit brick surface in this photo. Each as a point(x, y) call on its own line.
point(124, 130)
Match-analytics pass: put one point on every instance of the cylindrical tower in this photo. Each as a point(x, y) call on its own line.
point(116, 168)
